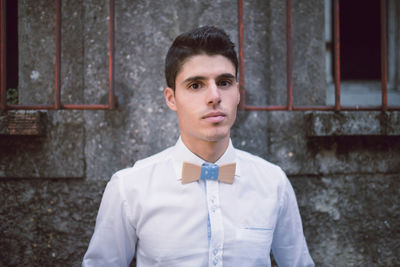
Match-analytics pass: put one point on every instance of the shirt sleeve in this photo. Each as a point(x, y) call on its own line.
point(114, 239)
point(289, 245)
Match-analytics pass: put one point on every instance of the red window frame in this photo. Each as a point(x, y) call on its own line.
point(57, 88)
point(289, 65)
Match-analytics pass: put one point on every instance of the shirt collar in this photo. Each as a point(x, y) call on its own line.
point(181, 153)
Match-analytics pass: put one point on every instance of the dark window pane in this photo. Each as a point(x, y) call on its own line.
point(360, 39)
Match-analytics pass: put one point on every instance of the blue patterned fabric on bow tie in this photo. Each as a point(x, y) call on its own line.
point(209, 171)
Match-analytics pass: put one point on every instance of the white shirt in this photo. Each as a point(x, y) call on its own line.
point(148, 211)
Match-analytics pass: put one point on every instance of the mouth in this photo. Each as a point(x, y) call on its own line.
point(214, 116)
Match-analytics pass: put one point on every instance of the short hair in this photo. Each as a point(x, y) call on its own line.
point(207, 40)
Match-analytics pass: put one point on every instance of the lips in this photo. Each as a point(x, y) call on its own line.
point(214, 116)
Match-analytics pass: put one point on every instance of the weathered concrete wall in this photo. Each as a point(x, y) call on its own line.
point(347, 182)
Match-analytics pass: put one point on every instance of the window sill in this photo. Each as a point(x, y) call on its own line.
point(22, 123)
point(353, 123)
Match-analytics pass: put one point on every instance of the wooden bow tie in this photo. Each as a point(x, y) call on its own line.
point(208, 171)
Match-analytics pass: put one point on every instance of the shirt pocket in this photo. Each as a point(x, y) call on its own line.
point(253, 245)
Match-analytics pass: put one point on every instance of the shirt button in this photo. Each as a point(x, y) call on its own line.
point(215, 261)
point(215, 251)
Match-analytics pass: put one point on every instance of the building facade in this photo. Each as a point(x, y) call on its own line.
point(344, 165)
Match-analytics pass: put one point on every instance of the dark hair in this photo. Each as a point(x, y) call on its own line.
point(205, 40)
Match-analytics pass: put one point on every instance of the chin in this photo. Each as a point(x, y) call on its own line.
point(215, 137)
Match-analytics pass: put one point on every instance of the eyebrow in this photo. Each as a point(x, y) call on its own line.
point(202, 78)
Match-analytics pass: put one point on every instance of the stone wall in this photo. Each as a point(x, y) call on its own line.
point(346, 181)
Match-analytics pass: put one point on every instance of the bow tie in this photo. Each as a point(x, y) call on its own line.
point(208, 171)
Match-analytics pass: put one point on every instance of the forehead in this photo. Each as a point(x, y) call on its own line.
point(205, 66)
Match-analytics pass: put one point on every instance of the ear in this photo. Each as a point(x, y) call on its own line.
point(169, 94)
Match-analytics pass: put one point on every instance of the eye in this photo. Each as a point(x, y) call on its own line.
point(224, 83)
point(195, 86)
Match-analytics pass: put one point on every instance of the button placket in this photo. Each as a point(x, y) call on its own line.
point(217, 231)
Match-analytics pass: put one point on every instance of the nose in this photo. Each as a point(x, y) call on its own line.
point(213, 94)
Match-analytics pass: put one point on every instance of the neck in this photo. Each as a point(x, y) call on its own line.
point(209, 151)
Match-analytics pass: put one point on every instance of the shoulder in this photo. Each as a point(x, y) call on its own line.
point(267, 177)
point(264, 174)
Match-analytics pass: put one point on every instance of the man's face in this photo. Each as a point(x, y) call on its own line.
point(205, 99)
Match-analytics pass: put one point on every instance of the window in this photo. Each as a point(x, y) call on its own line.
point(368, 40)
point(9, 49)
point(358, 54)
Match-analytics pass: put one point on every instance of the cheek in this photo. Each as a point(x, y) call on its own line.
point(237, 96)
point(187, 113)
point(234, 102)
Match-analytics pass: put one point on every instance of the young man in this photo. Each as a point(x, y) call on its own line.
point(201, 202)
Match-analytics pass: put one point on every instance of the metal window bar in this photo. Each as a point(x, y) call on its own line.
point(57, 88)
point(289, 66)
